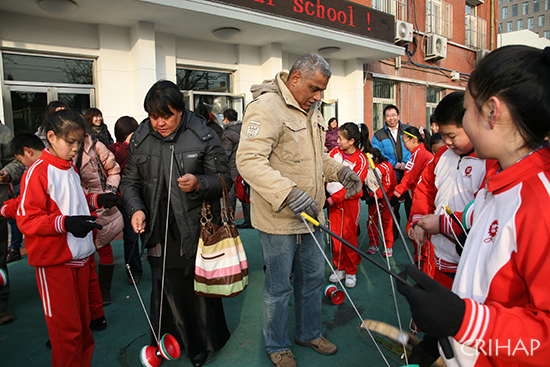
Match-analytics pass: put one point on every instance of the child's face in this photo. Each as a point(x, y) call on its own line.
point(29, 156)
point(66, 147)
point(476, 126)
point(455, 137)
point(344, 143)
point(409, 143)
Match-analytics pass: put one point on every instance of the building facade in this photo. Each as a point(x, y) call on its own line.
point(517, 15)
point(107, 53)
point(442, 43)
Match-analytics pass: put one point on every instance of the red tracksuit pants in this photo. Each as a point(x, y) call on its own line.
point(373, 224)
point(345, 222)
point(64, 293)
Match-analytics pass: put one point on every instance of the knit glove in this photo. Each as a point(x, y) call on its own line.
point(437, 311)
point(80, 225)
point(350, 180)
point(299, 201)
point(425, 353)
point(107, 200)
point(394, 200)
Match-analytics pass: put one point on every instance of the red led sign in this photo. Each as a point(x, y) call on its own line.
point(339, 14)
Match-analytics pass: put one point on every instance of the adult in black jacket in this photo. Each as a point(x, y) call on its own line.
point(174, 136)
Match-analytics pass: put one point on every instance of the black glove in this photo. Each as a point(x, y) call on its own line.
point(437, 311)
point(369, 200)
point(80, 225)
point(350, 180)
point(394, 200)
point(107, 200)
point(299, 201)
point(425, 353)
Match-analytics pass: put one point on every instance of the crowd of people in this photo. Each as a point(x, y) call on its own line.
point(474, 187)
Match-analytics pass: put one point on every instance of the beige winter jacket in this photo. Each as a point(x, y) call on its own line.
point(282, 146)
point(99, 179)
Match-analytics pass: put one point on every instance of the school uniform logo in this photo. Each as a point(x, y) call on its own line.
point(493, 229)
point(468, 171)
point(253, 129)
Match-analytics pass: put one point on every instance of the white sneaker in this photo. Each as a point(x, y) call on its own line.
point(340, 274)
point(387, 253)
point(351, 280)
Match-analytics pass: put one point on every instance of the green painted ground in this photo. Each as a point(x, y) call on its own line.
point(22, 342)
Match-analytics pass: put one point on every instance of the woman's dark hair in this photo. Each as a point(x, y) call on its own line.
point(351, 130)
point(230, 114)
point(90, 114)
point(124, 126)
point(450, 110)
point(520, 77)
point(378, 157)
point(52, 106)
point(63, 122)
point(434, 139)
point(330, 122)
point(413, 130)
point(162, 95)
point(25, 140)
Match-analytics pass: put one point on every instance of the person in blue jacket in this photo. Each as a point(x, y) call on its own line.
point(390, 142)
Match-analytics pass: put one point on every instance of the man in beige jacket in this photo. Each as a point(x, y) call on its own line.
point(281, 155)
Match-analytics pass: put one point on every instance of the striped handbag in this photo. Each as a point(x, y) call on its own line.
point(221, 268)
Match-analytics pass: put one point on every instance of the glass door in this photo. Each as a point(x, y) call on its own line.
point(208, 103)
point(25, 105)
point(27, 108)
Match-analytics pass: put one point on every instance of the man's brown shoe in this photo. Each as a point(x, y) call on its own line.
point(283, 359)
point(321, 345)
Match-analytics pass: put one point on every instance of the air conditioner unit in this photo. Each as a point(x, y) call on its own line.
point(436, 47)
point(480, 54)
point(403, 32)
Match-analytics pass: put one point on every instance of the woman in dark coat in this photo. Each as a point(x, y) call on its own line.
point(175, 137)
point(331, 140)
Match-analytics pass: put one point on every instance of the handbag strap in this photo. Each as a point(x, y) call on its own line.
point(225, 202)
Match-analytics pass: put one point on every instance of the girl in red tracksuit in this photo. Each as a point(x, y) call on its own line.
point(498, 313)
point(420, 157)
point(344, 213)
point(387, 177)
point(54, 215)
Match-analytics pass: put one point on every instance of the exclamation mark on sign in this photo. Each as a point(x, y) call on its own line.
point(368, 21)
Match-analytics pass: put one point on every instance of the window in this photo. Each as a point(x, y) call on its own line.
point(433, 96)
point(204, 80)
point(398, 8)
point(476, 31)
point(47, 69)
point(525, 7)
point(520, 24)
point(439, 18)
point(541, 21)
point(547, 34)
point(536, 5)
point(530, 23)
point(509, 27)
point(383, 94)
point(499, 28)
point(499, 2)
point(546, 4)
point(515, 10)
point(32, 81)
point(505, 12)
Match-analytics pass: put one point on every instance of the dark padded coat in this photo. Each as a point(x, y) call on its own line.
point(197, 150)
